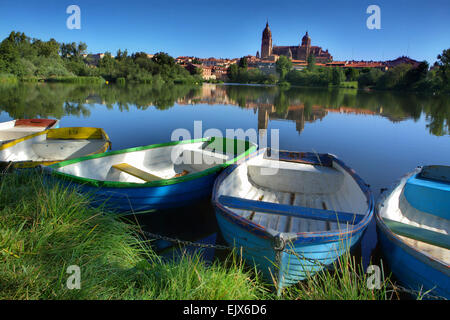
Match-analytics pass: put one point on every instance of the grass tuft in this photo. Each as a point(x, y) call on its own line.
point(45, 229)
point(345, 279)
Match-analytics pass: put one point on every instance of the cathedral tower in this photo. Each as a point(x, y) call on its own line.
point(266, 44)
point(306, 44)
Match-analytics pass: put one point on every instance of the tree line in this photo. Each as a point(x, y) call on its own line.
point(404, 77)
point(31, 59)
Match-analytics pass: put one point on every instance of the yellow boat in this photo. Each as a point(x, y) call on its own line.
point(54, 145)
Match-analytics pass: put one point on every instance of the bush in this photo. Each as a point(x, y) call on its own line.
point(79, 80)
point(369, 78)
point(120, 81)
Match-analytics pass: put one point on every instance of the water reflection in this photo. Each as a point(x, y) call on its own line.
point(300, 105)
point(382, 135)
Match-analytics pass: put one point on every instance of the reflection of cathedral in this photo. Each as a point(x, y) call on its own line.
point(298, 52)
point(264, 103)
point(294, 113)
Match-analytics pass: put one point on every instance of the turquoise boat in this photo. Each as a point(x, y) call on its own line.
point(291, 213)
point(153, 177)
point(413, 230)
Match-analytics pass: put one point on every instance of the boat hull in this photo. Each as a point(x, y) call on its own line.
point(139, 200)
point(297, 261)
point(410, 267)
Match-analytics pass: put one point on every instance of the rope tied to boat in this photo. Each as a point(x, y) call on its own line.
point(279, 245)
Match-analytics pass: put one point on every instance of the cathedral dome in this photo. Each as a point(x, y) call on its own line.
point(306, 40)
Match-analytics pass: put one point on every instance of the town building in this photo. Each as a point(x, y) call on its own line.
point(206, 71)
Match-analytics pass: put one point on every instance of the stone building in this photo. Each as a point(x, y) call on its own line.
point(298, 52)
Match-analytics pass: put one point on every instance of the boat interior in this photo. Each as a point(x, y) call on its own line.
point(427, 231)
point(42, 148)
point(17, 132)
point(151, 164)
point(16, 129)
point(293, 197)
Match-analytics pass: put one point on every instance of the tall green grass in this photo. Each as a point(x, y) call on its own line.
point(345, 279)
point(77, 79)
point(43, 230)
point(6, 78)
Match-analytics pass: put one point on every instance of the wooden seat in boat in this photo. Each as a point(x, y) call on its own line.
point(288, 210)
point(314, 179)
point(136, 172)
point(417, 233)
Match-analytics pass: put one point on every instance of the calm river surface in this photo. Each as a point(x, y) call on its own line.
point(382, 135)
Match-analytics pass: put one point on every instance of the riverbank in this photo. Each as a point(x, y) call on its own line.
point(11, 79)
point(45, 229)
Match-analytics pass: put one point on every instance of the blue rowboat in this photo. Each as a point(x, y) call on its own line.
point(153, 177)
point(292, 214)
point(413, 230)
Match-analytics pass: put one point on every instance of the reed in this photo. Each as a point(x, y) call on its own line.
point(344, 279)
point(8, 79)
point(46, 228)
point(77, 80)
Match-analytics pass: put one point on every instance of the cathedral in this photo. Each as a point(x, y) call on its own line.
point(299, 52)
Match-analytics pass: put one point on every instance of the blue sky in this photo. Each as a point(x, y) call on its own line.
point(205, 28)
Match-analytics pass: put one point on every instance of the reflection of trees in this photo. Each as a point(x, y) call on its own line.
point(42, 100)
point(256, 94)
point(143, 96)
point(395, 106)
point(76, 109)
point(281, 102)
point(57, 100)
point(438, 115)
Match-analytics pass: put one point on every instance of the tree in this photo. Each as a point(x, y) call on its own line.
point(232, 72)
point(351, 74)
point(243, 63)
point(394, 78)
point(443, 64)
point(311, 62)
point(121, 55)
point(337, 76)
point(72, 50)
point(283, 66)
point(163, 58)
point(369, 78)
point(138, 55)
point(415, 75)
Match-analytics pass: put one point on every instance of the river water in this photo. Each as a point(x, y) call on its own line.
point(381, 135)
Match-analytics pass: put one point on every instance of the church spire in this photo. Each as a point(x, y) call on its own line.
point(266, 45)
